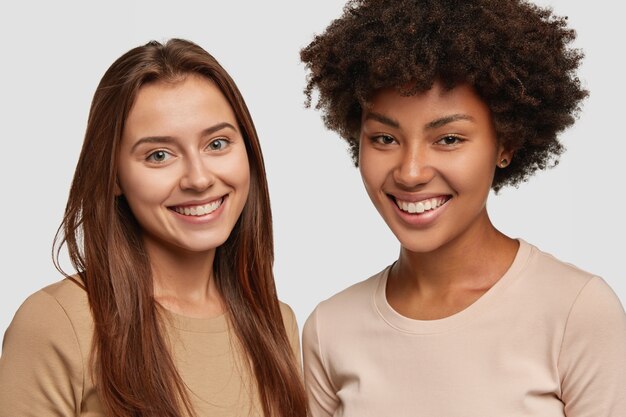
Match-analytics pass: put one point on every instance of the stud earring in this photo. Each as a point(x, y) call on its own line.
point(503, 163)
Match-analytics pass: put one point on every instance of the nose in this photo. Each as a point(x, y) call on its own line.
point(197, 176)
point(414, 167)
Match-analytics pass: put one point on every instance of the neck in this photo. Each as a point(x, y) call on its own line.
point(183, 281)
point(474, 260)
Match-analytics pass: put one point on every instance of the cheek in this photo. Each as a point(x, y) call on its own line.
point(244, 186)
point(473, 173)
point(371, 170)
point(144, 186)
point(239, 181)
point(244, 171)
point(235, 171)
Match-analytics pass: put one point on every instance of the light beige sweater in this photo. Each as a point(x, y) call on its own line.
point(547, 340)
point(44, 367)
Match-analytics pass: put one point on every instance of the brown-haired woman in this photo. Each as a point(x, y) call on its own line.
point(173, 311)
point(441, 101)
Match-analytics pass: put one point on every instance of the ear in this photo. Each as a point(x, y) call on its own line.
point(504, 157)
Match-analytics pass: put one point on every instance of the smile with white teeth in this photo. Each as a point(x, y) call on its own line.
point(418, 207)
point(200, 210)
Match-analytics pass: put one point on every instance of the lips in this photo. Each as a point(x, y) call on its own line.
point(422, 205)
point(419, 211)
point(196, 210)
point(416, 205)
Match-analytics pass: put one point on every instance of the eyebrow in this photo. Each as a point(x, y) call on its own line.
point(170, 139)
point(447, 119)
point(382, 119)
point(429, 126)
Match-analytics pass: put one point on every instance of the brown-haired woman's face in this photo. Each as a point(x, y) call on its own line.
point(427, 162)
point(182, 164)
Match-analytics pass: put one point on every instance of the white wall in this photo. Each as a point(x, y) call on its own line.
point(328, 234)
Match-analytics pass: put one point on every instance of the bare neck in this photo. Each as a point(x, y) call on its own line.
point(442, 282)
point(184, 281)
point(474, 260)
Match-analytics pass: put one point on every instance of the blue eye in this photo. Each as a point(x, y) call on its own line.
point(218, 144)
point(159, 156)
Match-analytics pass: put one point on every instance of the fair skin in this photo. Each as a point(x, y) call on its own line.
point(183, 169)
point(427, 162)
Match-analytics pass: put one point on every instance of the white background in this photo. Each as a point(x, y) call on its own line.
point(328, 235)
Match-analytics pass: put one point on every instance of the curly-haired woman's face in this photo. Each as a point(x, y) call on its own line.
point(427, 162)
point(183, 166)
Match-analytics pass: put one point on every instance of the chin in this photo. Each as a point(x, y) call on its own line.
point(203, 246)
point(195, 244)
point(414, 246)
point(421, 242)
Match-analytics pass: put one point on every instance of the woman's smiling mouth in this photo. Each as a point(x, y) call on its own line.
point(418, 211)
point(421, 206)
point(199, 209)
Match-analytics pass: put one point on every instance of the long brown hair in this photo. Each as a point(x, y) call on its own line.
point(134, 371)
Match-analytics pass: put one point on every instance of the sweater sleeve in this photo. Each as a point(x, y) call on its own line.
point(41, 371)
point(323, 400)
point(592, 363)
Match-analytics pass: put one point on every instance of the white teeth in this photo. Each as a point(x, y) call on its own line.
point(199, 210)
point(420, 206)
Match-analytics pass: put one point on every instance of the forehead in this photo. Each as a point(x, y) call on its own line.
point(192, 101)
point(435, 101)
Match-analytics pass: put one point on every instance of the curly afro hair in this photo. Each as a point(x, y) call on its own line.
point(515, 55)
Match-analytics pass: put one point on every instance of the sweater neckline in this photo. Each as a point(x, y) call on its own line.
point(191, 324)
point(216, 324)
point(457, 320)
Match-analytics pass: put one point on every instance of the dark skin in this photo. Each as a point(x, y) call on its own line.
point(519, 61)
point(422, 287)
point(437, 150)
point(516, 55)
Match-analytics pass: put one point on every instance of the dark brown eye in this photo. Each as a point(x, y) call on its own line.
point(449, 140)
point(384, 140)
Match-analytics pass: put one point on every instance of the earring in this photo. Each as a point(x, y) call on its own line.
point(503, 163)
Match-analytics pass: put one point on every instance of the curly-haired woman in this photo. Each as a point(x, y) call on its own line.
point(441, 101)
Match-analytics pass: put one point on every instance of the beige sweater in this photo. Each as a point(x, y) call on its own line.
point(547, 340)
point(44, 367)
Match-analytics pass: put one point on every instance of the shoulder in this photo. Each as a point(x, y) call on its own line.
point(57, 316)
point(353, 300)
point(287, 312)
point(291, 327)
point(63, 300)
point(346, 308)
point(289, 317)
point(72, 298)
point(597, 302)
point(579, 295)
point(555, 267)
point(592, 358)
point(44, 351)
point(556, 278)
